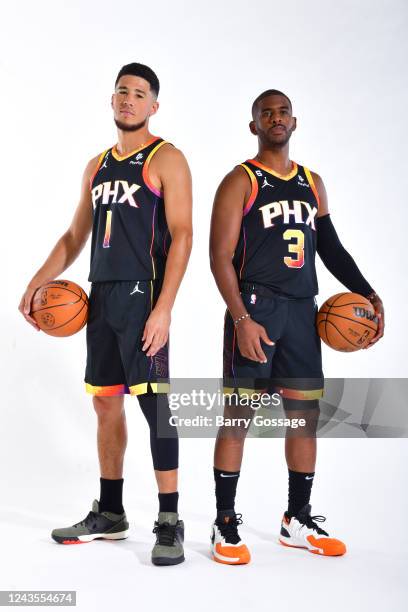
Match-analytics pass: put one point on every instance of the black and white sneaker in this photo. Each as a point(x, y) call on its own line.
point(302, 531)
point(106, 525)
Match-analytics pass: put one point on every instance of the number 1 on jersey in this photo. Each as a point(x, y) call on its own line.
point(295, 247)
point(106, 239)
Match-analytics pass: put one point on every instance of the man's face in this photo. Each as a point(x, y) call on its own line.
point(273, 121)
point(133, 103)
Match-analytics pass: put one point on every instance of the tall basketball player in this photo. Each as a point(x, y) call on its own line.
point(136, 199)
point(270, 216)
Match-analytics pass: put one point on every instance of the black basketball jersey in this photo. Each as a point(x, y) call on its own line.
point(129, 235)
point(277, 242)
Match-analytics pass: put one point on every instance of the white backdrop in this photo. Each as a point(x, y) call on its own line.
point(344, 67)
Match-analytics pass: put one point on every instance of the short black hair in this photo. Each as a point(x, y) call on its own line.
point(142, 71)
point(265, 94)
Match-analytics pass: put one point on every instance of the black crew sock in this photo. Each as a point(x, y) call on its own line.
point(300, 488)
point(168, 502)
point(111, 495)
point(225, 489)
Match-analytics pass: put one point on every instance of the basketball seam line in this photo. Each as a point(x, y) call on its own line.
point(69, 320)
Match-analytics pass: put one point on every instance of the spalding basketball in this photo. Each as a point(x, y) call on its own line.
point(60, 308)
point(347, 322)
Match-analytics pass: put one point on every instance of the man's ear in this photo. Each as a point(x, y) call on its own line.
point(294, 124)
point(112, 100)
point(154, 108)
point(252, 127)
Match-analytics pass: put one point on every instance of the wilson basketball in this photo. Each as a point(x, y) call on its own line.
point(60, 308)
point(347, 322)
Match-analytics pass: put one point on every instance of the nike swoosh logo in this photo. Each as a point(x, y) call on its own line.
point(309, 477)
point(228, 475)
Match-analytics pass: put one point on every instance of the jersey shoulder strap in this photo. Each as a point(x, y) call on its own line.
point(254, 188)
point(98, 165)
point(312, 184)
point(145, 172)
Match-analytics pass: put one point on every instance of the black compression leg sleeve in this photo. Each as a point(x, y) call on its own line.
point(164, 449)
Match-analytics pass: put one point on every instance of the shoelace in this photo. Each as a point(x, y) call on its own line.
point(166, 533)
point(310, 521)
point(229, 530)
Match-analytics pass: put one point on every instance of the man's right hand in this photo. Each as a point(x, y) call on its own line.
point(249, 336)
point(25, 305)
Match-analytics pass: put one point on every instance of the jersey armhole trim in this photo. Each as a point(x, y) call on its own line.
point(254, 190)
point(145, 171)
point(312, 184)
point(98, 165)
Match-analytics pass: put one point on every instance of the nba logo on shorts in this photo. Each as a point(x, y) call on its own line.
point(253, 298)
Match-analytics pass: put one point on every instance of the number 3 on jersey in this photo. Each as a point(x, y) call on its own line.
point(106, 238)
point(295, 247)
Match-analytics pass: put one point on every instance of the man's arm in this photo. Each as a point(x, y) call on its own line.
point(339, 262)
point(170, 172)
point(67, 248)
point(226, 221)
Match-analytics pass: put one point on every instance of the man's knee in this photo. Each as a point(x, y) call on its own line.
point(305, 411)
point(108, 407)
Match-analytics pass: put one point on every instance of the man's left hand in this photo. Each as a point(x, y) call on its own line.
point(156, 331)
point(379, 311)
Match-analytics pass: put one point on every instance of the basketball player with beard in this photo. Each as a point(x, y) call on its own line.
point(270, 216)
point(136, 201)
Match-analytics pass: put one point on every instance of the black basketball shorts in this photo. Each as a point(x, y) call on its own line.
point(294, 362)
point(116, 364)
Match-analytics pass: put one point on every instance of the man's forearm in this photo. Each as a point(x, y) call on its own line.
point(61, 257)
point(227, 283)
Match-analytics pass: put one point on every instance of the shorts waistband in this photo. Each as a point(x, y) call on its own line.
point(263, 291)
point(156, 282)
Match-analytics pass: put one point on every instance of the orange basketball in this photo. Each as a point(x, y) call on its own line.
point(60, 308)
point(347, 322)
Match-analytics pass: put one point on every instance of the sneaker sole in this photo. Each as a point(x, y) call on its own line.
point(228, 560)
point(167, 560)
point(315, 551)
point(84, 539)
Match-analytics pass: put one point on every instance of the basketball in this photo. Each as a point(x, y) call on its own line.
point(60, 308)
point(347, 322)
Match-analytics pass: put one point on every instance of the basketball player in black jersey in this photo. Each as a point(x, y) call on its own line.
point(136, 200)
point(270, 216)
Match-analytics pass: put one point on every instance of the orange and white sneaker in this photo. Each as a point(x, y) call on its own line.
point(226, 545)
point(301, 531)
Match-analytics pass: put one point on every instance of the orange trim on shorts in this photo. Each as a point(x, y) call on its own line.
point(105, 391)
point(155, 388)
point(300, 394)
point(112, 390)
